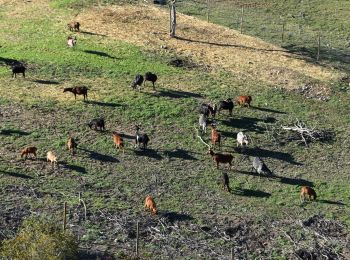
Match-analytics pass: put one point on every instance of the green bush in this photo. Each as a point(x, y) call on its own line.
point(40, 239)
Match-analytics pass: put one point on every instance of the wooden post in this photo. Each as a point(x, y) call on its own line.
point(283, 27)
point(318, 46)
point(64, 216)
point(242, 14)
point(208, 8)
point(137, 239)
point(172, 18)
point(232, 253)
point(82, 202)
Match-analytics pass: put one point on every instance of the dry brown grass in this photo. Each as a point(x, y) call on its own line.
point(205, 43)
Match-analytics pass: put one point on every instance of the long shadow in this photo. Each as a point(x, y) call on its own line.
point(15, 174)
point(174, 216)
point(256, 174)
point(227, 45)
point(251, 193)
point(100, 53)
point(8, 62)
point(46, 82)
point(245, 123)
point(127, 136)
point(13, 132)
point(104, 104)
point(148, 153)
point(268, 110)
point(92, 33)
point(258, 152)
point(74, 167)
point(332, 202)
point(177, 94)
point(180, 154)
point(100, 157)
point(298, 182)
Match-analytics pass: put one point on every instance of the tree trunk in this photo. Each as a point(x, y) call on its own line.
point(172, 18)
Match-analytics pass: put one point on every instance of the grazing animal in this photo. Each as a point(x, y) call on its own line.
point(221, 158)
point(97, 123)
point(307, 192)
point(242, 139)
point(71, 41)
point(72, 145)
point(77, 91)
point(150, 204)
point(226, 105)
point(51, 157)
point(118, 141)
point(208, 109)
point(203, 122)
point(137, 82)
point(141, 138)
point(244, 100)
point(18, 68)
point(29, 150)
point(149, 76)
point(225, 181)
point(260, 167)
point(73, 26)
point(215, 135)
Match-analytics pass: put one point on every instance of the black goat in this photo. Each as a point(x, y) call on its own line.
point(225, 182)
point(77, 91)
point(18, 68)
point(149, 76)
point(226, 105)
point(207, 109)
point(137, 82)
point(141, 138)
point(97, 123)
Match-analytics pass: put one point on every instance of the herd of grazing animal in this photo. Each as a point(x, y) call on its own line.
point(142, 139)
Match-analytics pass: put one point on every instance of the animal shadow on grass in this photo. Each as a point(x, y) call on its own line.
point(8, 62)
point(73, 167)
point(16, 174)
point(268, 110)
point(332, 202)
point(100, 53)
point(100, 157)
point(174, 216)
point(148, 153)
point(251, 193)
point(177, 94)
point(103, 104)
point(46, 82)
point(258, 152)
point(180, 154)
point(10, 132)
point(92, 33)
point(245, 123)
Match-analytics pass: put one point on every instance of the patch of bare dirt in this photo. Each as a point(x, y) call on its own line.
point(204, 43)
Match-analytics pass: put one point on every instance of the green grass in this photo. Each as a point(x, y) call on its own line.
point(176, 170)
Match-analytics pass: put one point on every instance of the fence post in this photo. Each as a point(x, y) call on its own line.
point(137, 239)
point(242, 14)
point(232, 253)
point(283, 27)
point(318, 46)
point(64, 216)
point(208, 10)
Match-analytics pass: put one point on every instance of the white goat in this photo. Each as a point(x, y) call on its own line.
point(203, 122)
point(71, 41)
point(242, 139)
point(52, 158)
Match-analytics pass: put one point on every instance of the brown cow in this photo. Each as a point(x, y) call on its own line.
point(118, 141)
point(307, 192)
point(29, 150)
point(244, 100)
point(149, 203)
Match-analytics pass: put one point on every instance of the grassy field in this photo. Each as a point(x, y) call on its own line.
point(262, 218)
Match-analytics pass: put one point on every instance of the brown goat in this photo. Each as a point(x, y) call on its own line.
point(149, 203)
point(72, 145)
point(29, 150)
point(77, 91)
point(244, 100)
point(215, 136)
point(221, 158)
point(118, 141)
point(307, 192)
point(73, 26)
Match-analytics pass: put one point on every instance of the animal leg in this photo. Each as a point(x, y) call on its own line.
point(24, 74)
point(75, 95)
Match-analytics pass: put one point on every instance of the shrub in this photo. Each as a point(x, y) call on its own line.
point(40, 239)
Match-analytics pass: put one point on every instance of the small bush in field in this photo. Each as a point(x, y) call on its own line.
point(40, 239)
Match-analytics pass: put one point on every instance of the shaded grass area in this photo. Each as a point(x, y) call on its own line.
point(175, 169)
